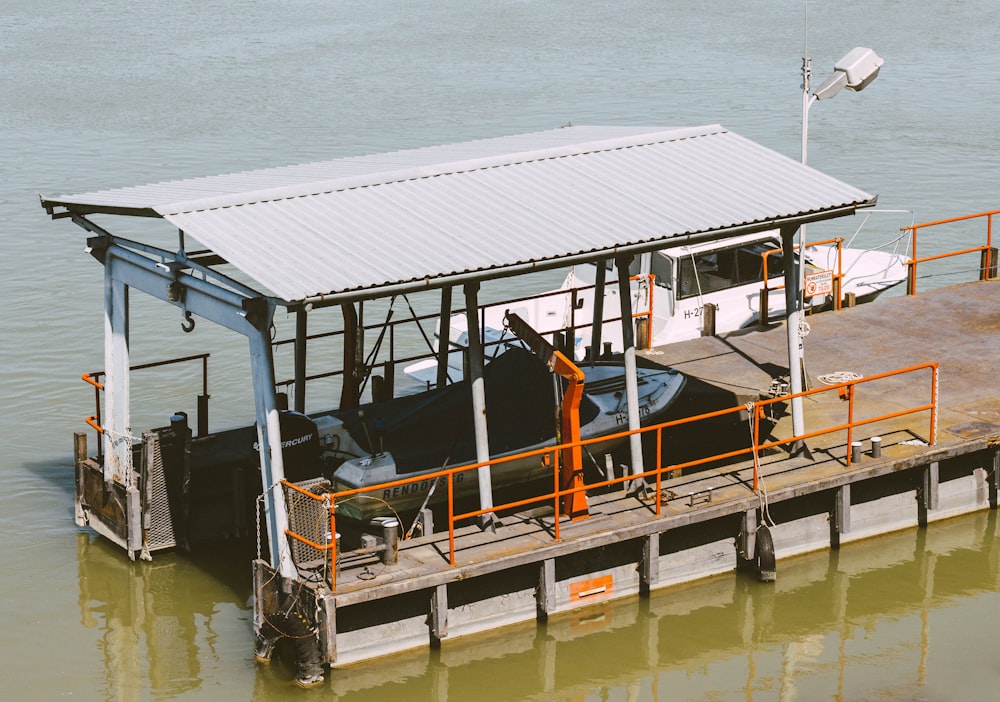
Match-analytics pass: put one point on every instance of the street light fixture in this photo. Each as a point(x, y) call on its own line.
point(854, 71)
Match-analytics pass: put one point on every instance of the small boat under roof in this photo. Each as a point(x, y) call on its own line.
point(407, 437)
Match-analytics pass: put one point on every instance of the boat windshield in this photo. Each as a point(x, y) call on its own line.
point(661, 266)
point(721, 269)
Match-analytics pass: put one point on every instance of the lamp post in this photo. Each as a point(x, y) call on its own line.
point(854, 71)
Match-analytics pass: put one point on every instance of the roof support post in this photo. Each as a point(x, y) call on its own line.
point(486, 521)
point(251, 317)
point(444, 337)
point(272, 469)
point(600, 275)
point(793, 317)
point(628, 344)
point(117, 430)
point(301, 332)
point(349, 390)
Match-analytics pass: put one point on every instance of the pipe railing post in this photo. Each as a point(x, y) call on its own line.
point(850, 422)
point(451, 518)
point(911, 266)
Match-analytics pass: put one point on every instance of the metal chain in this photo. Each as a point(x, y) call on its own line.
point(257, 508)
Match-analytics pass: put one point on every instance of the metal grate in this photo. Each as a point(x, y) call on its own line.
point(310, 519)
point(159, 522)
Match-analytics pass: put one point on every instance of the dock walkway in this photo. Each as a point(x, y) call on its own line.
point(522, 572)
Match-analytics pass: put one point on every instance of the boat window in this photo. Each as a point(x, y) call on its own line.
point(721, 269)
point(751, 263)
point(662, 269)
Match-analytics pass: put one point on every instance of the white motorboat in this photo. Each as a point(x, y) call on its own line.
point(671, 289)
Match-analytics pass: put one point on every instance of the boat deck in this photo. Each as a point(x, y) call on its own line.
point(956, 327)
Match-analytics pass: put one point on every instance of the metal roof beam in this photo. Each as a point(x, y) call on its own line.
point(199, 262)
point(193, 296)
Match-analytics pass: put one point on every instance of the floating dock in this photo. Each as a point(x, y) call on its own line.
point(903, 431)
point(708, 519)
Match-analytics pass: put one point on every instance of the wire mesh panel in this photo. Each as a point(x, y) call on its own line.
point(310, 519)
point(157, 519)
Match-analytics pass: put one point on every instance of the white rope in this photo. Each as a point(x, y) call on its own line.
point(765, 513)
point(697, 280)
point(838, 377)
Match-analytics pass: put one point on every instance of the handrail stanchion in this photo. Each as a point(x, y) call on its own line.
point(987, 255)
point(839, 278)
point(659, 467)
point(934, 403)
point(648, 314)
point(850, 419)
point(987, 265)
point(756, 444)
point(558, 492)
point(451, 517)
point(333, 544)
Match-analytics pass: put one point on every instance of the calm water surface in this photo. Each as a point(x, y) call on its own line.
point(110, 93)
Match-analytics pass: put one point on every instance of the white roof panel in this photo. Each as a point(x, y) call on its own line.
point(481, 208)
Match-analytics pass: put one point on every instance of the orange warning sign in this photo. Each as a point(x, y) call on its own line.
point(601, 585)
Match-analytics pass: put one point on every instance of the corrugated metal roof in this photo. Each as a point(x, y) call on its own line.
point(426, 215)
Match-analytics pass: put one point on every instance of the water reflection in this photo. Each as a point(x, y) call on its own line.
point(157, 620)
point(879, 619)
point(855, 624)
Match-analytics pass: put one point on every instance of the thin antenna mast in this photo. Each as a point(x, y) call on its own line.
point(805, 27)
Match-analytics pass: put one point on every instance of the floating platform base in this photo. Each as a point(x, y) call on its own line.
point(520, 573)
point(709, 521)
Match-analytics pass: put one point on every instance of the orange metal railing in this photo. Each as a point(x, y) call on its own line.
point(847, 391)
point(767, 289)
point(93, 379)
point(987, 269)
point(328, 549)
point(645, 281)
point(94, 420)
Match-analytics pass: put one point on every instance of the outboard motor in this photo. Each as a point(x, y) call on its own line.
point(300, 449)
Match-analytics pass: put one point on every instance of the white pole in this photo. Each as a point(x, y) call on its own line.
point(272, 469)
point(628, 346)
point(117, 434)
point(478, 385)
point(795, 304)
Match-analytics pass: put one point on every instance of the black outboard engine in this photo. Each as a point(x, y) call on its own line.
point(300, 449)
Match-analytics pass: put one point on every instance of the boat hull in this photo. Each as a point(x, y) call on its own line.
point(658, 389)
